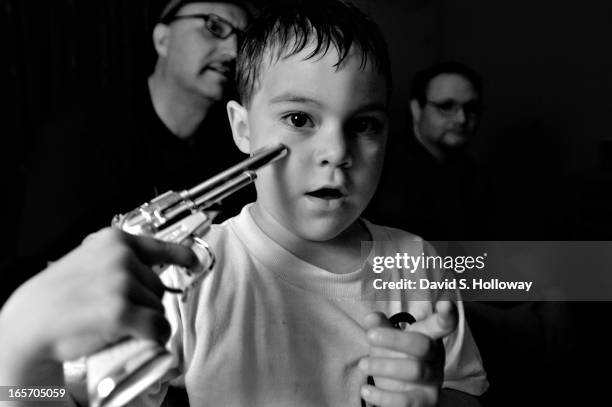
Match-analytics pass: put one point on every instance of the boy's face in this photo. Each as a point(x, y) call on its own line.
point(334, 122)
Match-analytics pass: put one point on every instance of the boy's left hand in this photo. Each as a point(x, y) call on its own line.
point(407, 366)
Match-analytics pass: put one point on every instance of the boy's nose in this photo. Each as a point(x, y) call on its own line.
point(333, 150)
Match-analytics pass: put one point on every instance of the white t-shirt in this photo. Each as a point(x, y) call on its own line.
point(266, 328)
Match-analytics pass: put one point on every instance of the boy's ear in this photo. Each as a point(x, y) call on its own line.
point(161, 35)
point(239, 123)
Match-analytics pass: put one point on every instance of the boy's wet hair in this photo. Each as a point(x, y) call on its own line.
point(287, 28)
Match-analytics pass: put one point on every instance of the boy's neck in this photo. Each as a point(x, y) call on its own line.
point(340, 255)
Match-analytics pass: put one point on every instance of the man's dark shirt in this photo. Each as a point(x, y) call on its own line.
point(107, 157)
point(437, 200)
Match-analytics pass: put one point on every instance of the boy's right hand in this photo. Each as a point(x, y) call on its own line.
point(407, 366)
point(100, 292)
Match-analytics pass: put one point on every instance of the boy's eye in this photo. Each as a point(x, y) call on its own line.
point(298, 120)
point(364, 125)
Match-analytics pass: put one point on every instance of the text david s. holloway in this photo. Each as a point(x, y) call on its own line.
point(452, 284)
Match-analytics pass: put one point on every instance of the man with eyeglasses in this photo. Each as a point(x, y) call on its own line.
point(196, 43)
point(443, 193)
point(110, 152)
point(446, 105)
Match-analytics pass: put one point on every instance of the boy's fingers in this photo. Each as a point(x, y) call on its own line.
point(386, 398)
point(439, 324)
point(416, 340)
point(413, 344)
point(375, 319)
point(402, 369)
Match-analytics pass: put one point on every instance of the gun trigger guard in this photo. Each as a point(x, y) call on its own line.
point(200, 273)
point(198, 241)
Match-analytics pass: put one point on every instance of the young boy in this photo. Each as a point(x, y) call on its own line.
point(290, 315)
point(279, 320)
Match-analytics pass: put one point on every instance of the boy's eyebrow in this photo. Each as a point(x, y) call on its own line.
point(292, 97)
point(374, 106)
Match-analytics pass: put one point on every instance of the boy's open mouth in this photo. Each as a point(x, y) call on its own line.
point(326, 193)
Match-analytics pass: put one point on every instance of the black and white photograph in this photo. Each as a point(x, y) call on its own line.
point(305, 203)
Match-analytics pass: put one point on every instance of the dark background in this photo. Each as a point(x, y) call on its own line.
point(546, 65)
point(54, 51)
point(545, 138)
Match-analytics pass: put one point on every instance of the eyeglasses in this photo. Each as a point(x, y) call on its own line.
point(217, 26)
point(451, 107)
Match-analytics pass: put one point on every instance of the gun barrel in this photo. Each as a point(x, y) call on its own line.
point(253, 163)
point(225, 189)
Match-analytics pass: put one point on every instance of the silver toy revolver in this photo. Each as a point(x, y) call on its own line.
point(121, 372)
